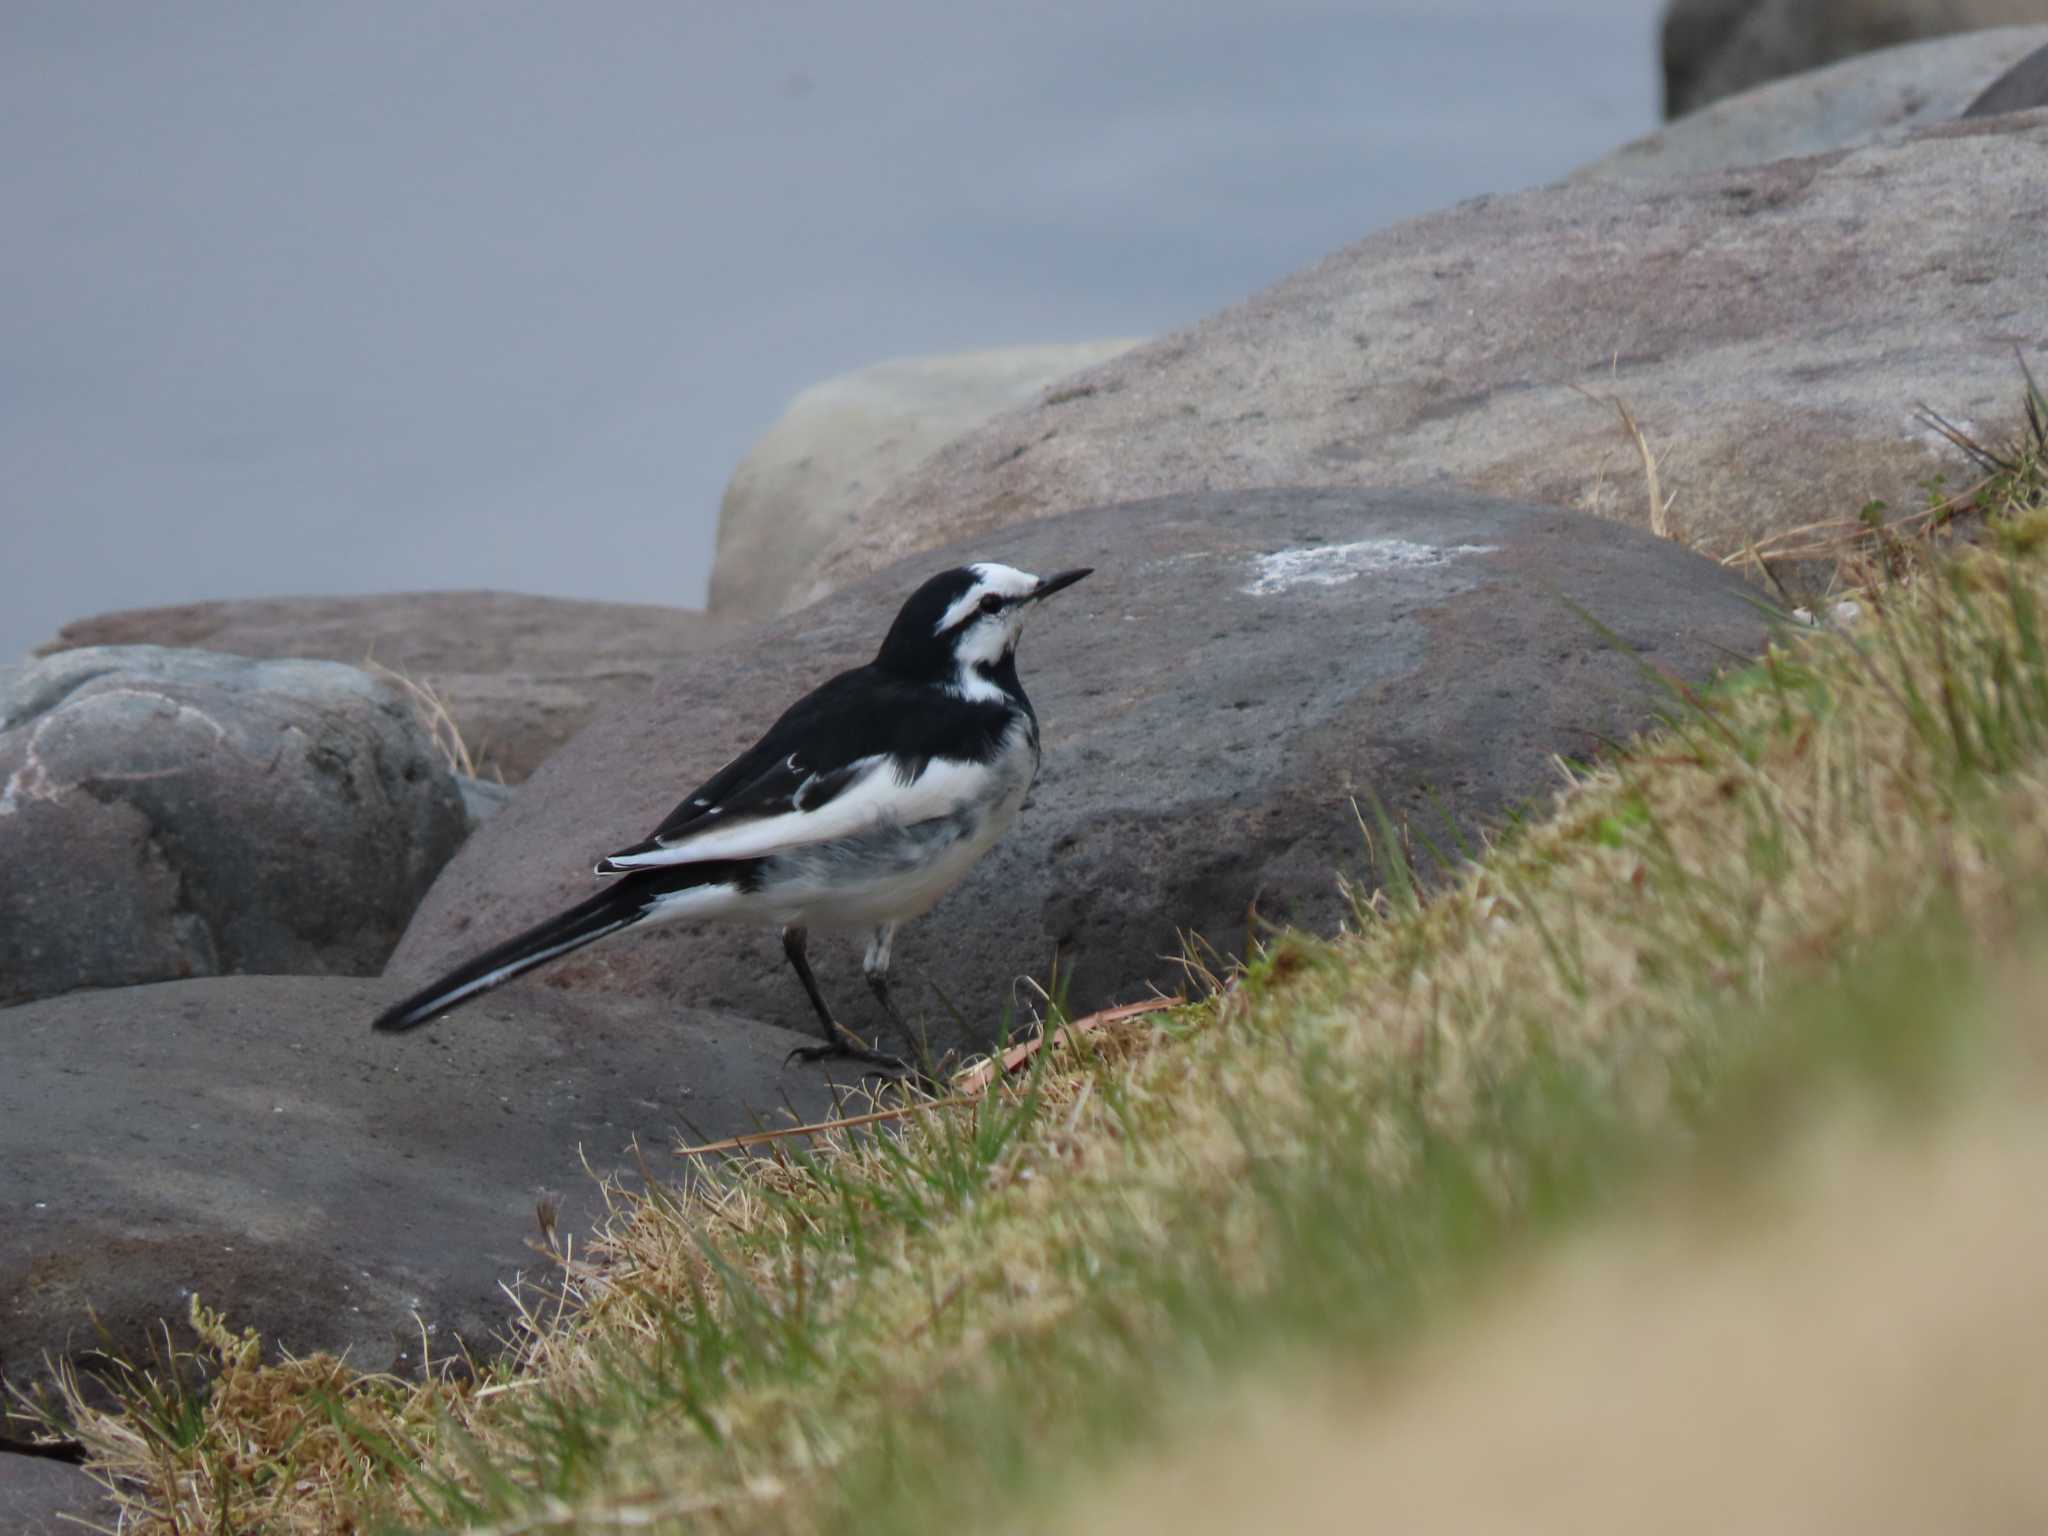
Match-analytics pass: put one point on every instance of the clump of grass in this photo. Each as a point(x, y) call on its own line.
point(1660, 501)
point(1776, 1333)
point(933, 1325)
point(212, 1438)
point(2010, 482)
point(432, 712)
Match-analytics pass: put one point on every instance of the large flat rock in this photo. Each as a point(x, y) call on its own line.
point(519, 674)
point(1238, 668)
point(250, 1139)
point(1772, 330)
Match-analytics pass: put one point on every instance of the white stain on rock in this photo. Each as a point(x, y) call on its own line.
point(33, 780)
point(1930, 435)
point(1329, 565)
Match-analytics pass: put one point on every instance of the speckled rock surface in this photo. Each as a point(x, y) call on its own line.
point(37, 1494)
point(1772, 329)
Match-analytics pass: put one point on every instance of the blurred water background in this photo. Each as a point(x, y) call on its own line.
point(386, 296)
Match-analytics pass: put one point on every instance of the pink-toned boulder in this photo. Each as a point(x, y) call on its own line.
point(842, 442)
point(1771, 329)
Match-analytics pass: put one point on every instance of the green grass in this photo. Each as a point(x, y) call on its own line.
point(1353, 1265)
point(953, 1320)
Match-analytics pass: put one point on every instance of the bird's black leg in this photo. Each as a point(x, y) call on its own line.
point(839, 1040)
point(794, 942)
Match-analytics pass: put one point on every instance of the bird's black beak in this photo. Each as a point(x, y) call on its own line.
point(1052, 584)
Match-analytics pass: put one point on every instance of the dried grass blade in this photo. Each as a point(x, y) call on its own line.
point(976, 1078)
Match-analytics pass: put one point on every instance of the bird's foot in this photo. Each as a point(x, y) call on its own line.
point(847, 1046)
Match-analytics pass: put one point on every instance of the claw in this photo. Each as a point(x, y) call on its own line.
point(849, 1050)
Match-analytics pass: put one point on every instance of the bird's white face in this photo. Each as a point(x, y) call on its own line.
point(992, 611)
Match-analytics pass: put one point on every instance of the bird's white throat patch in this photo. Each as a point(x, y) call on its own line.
point(1329, 565)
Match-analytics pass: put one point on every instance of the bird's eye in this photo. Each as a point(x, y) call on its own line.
point(991, 603)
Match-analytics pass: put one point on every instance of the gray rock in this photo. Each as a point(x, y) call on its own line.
point(1870, 98)
point(1771, 329)
point(1717, 48)
point(519, 675)
point(37, 1495)
point(1236, 670)
point(2020, 89)
point(481, 798)
point(179, 813)
point(250, 1139)
point(843, 441)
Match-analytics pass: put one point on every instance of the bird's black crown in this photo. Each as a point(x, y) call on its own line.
point(914, 647)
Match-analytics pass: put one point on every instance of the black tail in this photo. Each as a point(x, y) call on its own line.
point(619, 906)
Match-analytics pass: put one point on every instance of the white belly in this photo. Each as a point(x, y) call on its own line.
point(890, 873)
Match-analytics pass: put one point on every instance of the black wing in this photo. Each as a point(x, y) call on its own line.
point(861, 722)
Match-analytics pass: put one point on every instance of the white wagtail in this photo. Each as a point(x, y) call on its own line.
point(862, 806)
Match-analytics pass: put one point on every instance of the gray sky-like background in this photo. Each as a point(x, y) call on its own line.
point(388, 294)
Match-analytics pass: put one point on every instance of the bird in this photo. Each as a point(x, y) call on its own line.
point(869, 799)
